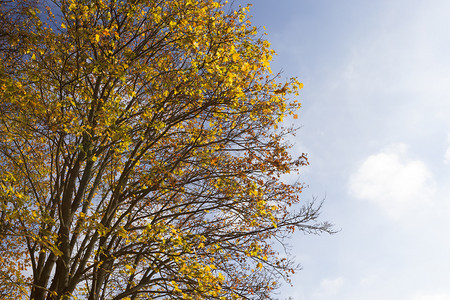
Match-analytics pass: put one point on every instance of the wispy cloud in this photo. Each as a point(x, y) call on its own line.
point(432, 297)
point(329, 287)
point(447, 152)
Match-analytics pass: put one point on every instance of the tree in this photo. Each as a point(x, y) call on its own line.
point(141, 153)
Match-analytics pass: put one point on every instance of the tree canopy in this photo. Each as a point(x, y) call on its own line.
point(141, 153)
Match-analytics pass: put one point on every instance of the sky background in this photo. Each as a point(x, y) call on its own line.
point(376, 127)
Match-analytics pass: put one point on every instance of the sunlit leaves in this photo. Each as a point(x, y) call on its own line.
point(139, 153)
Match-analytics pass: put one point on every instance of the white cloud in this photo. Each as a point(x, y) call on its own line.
point(329, 287)
point(432, 297)
point(393, 181)
point(447, 156)
point(447, 153)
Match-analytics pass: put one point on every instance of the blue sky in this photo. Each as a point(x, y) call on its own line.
point(375, 122)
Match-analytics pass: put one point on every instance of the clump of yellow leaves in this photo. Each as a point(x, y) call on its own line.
point(141, 152)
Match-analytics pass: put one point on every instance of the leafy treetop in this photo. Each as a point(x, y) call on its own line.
point(141, 153)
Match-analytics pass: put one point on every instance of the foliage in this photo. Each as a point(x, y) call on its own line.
point(140, 153)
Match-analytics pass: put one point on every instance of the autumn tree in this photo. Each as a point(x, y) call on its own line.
point(141, 153)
